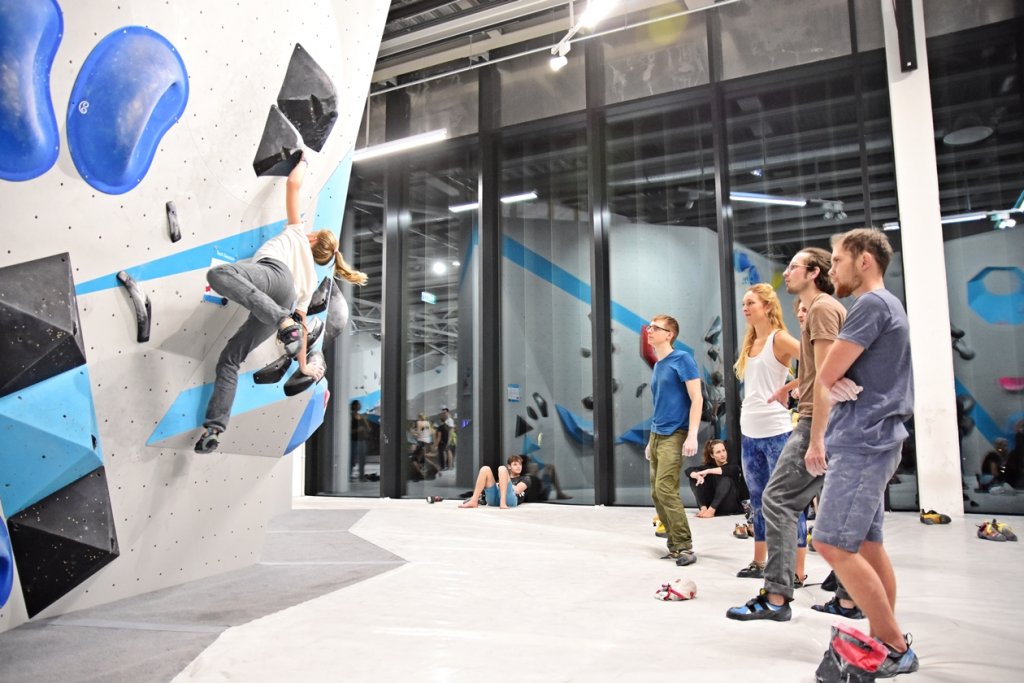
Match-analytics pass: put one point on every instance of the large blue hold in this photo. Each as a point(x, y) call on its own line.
point(132, 88)
point(30, 31)
point(6, 564)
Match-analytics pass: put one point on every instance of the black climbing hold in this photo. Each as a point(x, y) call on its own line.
point(272, 372)
point(531, 412)
point(541, 404)
point(280, 148)
point(716, 378)
point(713, 354)
point(640, 389)
point(141, 303)
point(321, 296)
point(308, 99)
point(299, 381)
point(172, 222)
point(522, 426)
point(40, 333)
point(585, 352)
point(588, 402)
point(615, 385)
point(63, 539)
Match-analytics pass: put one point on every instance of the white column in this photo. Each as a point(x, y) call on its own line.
point(938, 456)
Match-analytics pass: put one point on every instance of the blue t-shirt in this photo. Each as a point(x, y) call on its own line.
point(668, 386)
point(874, 422)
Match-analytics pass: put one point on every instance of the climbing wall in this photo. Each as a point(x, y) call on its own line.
point(141, 143)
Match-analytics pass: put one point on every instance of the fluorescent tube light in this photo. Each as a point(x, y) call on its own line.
point(766, 199)
point(460, 208)
point(964, 217)
point(400, 145)
point(525, 197)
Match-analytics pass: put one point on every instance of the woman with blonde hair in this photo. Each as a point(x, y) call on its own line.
point(275, 287)
point(768, 351)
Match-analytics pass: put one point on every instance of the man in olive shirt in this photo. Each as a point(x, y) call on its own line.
point(791, 486)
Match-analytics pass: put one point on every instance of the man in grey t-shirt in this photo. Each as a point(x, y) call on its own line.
point(868, 375)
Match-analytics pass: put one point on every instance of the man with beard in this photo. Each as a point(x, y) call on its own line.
point(868, 376)
point(796, 479)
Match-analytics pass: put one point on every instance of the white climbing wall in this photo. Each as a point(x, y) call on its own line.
point(181, 516)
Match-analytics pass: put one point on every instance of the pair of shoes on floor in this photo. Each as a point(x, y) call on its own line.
point(833, 607)
point(208, 442)
point(751, 571)
point(933, 517)
point(996, 531)
point(660, 531)
point(760, 608)
point(740, 531)
point(682, 558)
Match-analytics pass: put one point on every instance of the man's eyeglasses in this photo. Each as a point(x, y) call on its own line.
point(653, 327)
point(793, 266)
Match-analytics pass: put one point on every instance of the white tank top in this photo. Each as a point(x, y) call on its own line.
point(763, 376)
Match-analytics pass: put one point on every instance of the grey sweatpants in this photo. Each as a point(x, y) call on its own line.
point(266, 289)
point(789, 491)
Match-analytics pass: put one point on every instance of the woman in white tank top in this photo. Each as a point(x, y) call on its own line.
point(767, 353)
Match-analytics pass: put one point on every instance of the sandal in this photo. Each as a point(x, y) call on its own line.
point(208, 441)
point(798, 581)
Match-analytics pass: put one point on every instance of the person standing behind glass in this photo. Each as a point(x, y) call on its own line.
point(765, 425)
point(675, 386)
point(359, 430)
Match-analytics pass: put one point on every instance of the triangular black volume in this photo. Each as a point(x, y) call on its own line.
point(522, 426)
point(280, 148)
point(531, 412)
point(321, 296)
point(272, 372)
point(63, 539)
point(308, 98)
point(40, 332)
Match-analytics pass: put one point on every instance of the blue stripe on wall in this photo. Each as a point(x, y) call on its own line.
point(330, 210)
point(533, 262)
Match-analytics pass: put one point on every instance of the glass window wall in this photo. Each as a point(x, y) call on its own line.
point(663, 260)
point(545, 309)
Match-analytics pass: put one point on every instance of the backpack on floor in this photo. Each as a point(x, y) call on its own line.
point(852, 657)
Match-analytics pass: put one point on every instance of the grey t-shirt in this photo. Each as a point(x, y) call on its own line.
point(874, 422)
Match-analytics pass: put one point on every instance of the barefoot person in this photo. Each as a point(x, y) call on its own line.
point(507, 491)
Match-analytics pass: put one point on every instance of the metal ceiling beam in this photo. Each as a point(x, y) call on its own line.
point(472, 22)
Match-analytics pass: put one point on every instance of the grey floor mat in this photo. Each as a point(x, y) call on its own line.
point(152, 637)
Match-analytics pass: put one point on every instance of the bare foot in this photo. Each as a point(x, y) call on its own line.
point(504, 507)
point(470, 504)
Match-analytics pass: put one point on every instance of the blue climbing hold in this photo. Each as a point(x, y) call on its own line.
point(6, 564)
point(30, 31)
point(132, 88)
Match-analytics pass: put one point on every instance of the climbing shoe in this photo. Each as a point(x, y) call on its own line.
point(933, 517)
point(751, 571)
point(1005, 530)
point(833, 607)
point(208, 442)
point(760, 608)
point(989, 532)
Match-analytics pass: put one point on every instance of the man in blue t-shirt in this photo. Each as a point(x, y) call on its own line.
point(675, 386)
point(867, 374)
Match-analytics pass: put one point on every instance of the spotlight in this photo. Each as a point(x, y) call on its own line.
point(559, 52)
point(439, 268)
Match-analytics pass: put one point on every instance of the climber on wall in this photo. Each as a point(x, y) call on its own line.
point(280, 279)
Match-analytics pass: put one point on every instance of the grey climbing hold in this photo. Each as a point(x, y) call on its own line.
point(143, 309)
point(172, 222)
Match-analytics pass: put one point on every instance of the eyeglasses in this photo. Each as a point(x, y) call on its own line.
point(793, 266)
point(653, 327)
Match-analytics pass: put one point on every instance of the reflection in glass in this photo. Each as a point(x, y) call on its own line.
point(545, 310)
point(439, 402)
point(663, 260)
point(976, 102)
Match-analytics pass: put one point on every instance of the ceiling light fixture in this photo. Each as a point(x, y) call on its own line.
point(400, 145)
point(596, 11)
point(591, 17)
point(525, 197)
point(758, 198)
point(460, 208)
